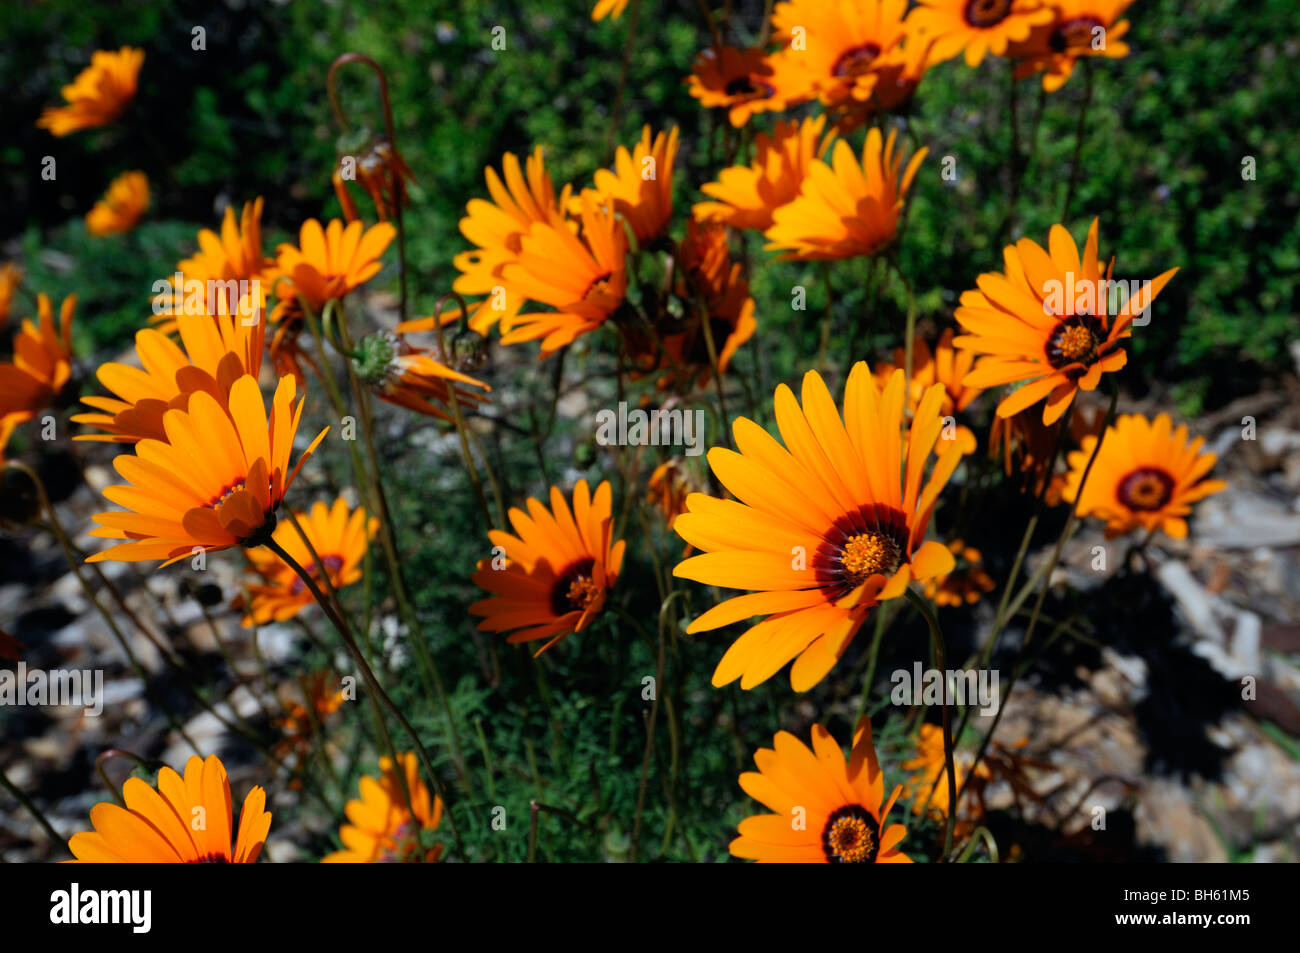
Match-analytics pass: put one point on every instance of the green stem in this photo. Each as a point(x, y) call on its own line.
point(1066, 532)
point(69, 552)
point(32, 809)
point(431, 676)
point(826, 320)
point(349, 642)
point(1078, 140)
point(936, 635)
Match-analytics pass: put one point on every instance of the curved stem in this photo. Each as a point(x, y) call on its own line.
point(32, 809)
point(975, 837)
point(395, 177)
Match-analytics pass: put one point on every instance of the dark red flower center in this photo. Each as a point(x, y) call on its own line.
point(983, 14)
point(869, 541)
point(599, 286)
point(574, 589)
point(1145, 489)
point(226, 494)
point(744, 88)
point(1075, 341)
point(849, 836)
point(855, 61)
point(401, 845)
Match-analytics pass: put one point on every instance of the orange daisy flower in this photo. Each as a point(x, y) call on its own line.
point(839, 45)
point(946, 366)
point(329, 262)
point(215, 483)
point(825, 811)
point(1078, 28)
point(975, 26)
point(176, 821)
point(497, 229)
point(724, 77)
point(385, 827)
point(213, 353)
point(326, 265)
point(99, 93)
point(967, 581)
point(551, 580)
point(221, 263)
point(11, 277)
point(898, 74)
point(41, 365)
point(583, 277)
point(1046, 320)
point(1146, 476)
point(338, 535)
point(823, 529)
point(640, 186)
point(121, 207)
point(749, 195)
point(411, 377)
point(845, 208)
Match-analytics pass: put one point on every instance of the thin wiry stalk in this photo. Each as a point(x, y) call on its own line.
point(1078, 139)
point(936, 635)
point(1066, 532)
point(395, 178)
point(32, 809)
point(379, 696)
point(69, 552)
point(614, 113)
point(372, 481)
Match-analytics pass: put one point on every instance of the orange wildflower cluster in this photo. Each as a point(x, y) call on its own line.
point(817, 514)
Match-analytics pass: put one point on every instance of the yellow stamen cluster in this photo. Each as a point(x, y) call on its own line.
point(868, 554)
point(582, 592)
point(850, 840)
point(1078, 344)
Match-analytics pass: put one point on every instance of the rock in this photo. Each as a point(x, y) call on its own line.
point(1168, 817)
point(1245, 520)
point(1193, 600)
